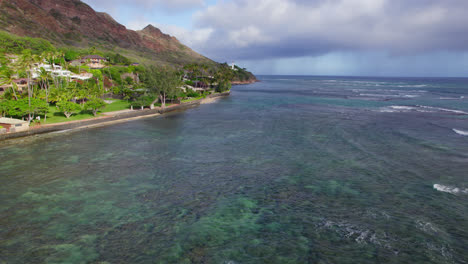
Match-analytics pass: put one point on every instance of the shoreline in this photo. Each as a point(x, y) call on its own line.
point(244, 82)
point(108, 120)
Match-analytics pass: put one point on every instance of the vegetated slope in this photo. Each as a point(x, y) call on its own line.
point(74, 23)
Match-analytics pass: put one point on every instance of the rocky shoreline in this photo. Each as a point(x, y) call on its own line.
point(109, 120)
point(244, 82)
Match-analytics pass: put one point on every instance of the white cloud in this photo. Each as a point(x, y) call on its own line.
point(169, 5)
point(288, 31)
point(292, 28)
point(190, 38)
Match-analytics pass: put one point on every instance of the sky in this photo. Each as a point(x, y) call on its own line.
point(313, 37)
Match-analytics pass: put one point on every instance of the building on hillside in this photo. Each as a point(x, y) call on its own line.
point(58, 71)
point(95, 61)
point(21, 84)
point(14, 125)
point(234, 66)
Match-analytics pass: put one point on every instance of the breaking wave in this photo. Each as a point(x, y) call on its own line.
point(460, 132)
point(450, 189)
point(443, 109)
point(419, 108)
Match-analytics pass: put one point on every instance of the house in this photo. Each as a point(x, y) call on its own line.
point(95, 61)
point(21, 84)
point(58, 71)
point(200, 84)
point(14, 125)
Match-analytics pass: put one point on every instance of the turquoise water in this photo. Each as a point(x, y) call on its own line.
point(288, 170)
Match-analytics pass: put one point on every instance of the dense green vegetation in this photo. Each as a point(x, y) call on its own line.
point(10, 43)
point(47, 94)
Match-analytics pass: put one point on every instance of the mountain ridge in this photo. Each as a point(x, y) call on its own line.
point(75, 23)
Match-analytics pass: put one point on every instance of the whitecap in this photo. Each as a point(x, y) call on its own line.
point(396, 108)
point(460, 132)
point(450, 98)
point(420, 108)
point(402, 107)
point(450, 189)
point(417, 85)
point(443, 109)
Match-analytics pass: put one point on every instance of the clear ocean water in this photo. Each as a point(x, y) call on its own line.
point(288, 170)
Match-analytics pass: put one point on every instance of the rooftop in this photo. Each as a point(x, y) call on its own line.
point(93, 57)
point(11, 121)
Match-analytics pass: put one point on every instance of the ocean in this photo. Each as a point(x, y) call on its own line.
point(293, 169)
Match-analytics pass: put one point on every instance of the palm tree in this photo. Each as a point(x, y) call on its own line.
point(7, 77)
point(26, 63)
point(44, 77)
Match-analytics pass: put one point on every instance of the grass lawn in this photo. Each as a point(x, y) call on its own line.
point(192, 99)
point(117, 105)
point(55, 116)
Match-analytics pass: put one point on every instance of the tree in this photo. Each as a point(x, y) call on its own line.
point(95, 104)
point(23, 107)
point(99, 78)
point(7, 108)
point(7, 77)
point(129, 80)
point(44, 77)
point(68, 108)
point(37, 107)
point(71, 54)
point(163, 82)
point(14, 108)
point(26, 62)
point(223, 86)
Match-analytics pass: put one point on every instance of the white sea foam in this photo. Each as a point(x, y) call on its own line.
point(460, 132)
point(450, 189)
point(451, 98)
point(419, 108)
point(427, 226)
point(402, 107)
point(379, 95)
point(416, 85)
point(443, 109)
point(61, 131)
point(359, 234)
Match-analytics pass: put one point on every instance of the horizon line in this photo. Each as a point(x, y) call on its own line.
point(363, 76)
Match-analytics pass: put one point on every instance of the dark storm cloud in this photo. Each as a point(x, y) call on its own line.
point(242, 29)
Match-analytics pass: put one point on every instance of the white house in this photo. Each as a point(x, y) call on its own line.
point(58, 71)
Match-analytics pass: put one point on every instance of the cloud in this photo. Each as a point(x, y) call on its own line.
point(190, 38)
point(348, 37)
point(263, 29)
point(168, 5)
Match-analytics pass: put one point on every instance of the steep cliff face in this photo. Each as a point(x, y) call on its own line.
point(72, 22)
